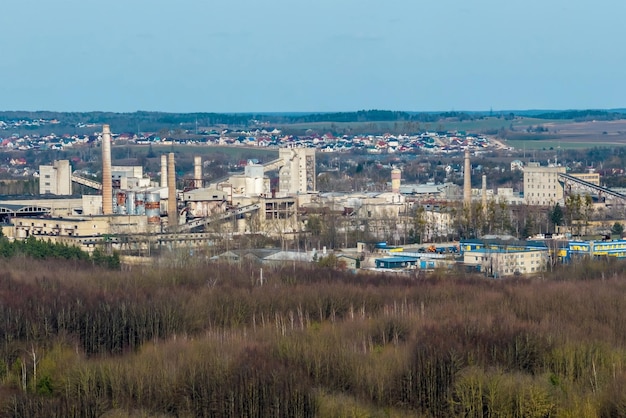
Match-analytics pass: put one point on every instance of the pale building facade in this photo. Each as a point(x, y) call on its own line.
point(56, 179)
point(505, 262)
point(593, 178)
point(297, 175)
point(541, 185)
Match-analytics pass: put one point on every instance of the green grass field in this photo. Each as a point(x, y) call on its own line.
point(547, 144)
point(564, 143)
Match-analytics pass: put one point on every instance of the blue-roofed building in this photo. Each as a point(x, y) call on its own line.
point(615, 248)
point(500, 244)
point(396, 262)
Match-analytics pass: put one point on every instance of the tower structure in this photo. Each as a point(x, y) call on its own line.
point(541, 184)
point(107, 180)
point(467, 180)
point(396, 177)
point(172, 208)
point(297, 175)
point(197, 172)
point(484, 194)
point(163, 170)
point(56, 178)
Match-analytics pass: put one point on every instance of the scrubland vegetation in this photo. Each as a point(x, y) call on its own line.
point(213, 340)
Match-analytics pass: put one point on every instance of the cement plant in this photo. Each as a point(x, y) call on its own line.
point(135, 215)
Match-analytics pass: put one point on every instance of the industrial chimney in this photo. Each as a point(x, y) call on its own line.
point(107, 181)
point(163, 170)
point(467, 180)
point(484, 193)
point(172, 208)
point(396, 175)
point(197, 172)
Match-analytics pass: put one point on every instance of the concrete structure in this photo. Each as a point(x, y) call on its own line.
point(172, 207)
point(85, 232)
point(107, 179)
point(437, 223)
point(297, 175)
point(467, 180)
point(128, 177)
point(396, 177)
point(163, 170)
point(421, 192)
point(56, 179)
point(197, 172)
point(254, 180)
point(593, 178)
point(541, 185)
point(92, 204)
point(484, 194)
point(53, 206)
point(200, 203)
point(504, 262)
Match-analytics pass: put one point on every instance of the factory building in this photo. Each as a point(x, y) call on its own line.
point(499, 262)
point(541, 184)
point(56, 179)
point(297, 175)
point(129, 203)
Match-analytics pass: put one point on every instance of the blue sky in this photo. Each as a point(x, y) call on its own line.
point(310, 56)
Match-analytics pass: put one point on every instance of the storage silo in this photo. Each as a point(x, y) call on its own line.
point(153, 207)
point(120, 203)
point(130, 202)
point(140, 208)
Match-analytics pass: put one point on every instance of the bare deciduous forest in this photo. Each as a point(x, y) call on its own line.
point(214, 340)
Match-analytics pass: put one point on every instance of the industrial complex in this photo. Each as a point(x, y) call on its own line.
point(128, 210)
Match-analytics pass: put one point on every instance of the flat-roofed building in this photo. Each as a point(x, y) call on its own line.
point(593, 178)
point(500, 262)
point(541, 184)
point(56, 179)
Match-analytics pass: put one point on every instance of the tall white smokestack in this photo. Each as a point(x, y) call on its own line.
point(163, 170)
point(197, 172)
point(172, 215)
point(107, 181)
point(396, 176)
point(467, 180)
point(484, 193)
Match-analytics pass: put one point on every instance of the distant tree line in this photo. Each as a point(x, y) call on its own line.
point(582, 115)
point(144, 121)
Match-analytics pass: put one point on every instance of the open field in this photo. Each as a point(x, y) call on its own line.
point(570, 135)
point(565, 143)
point(478, 125)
